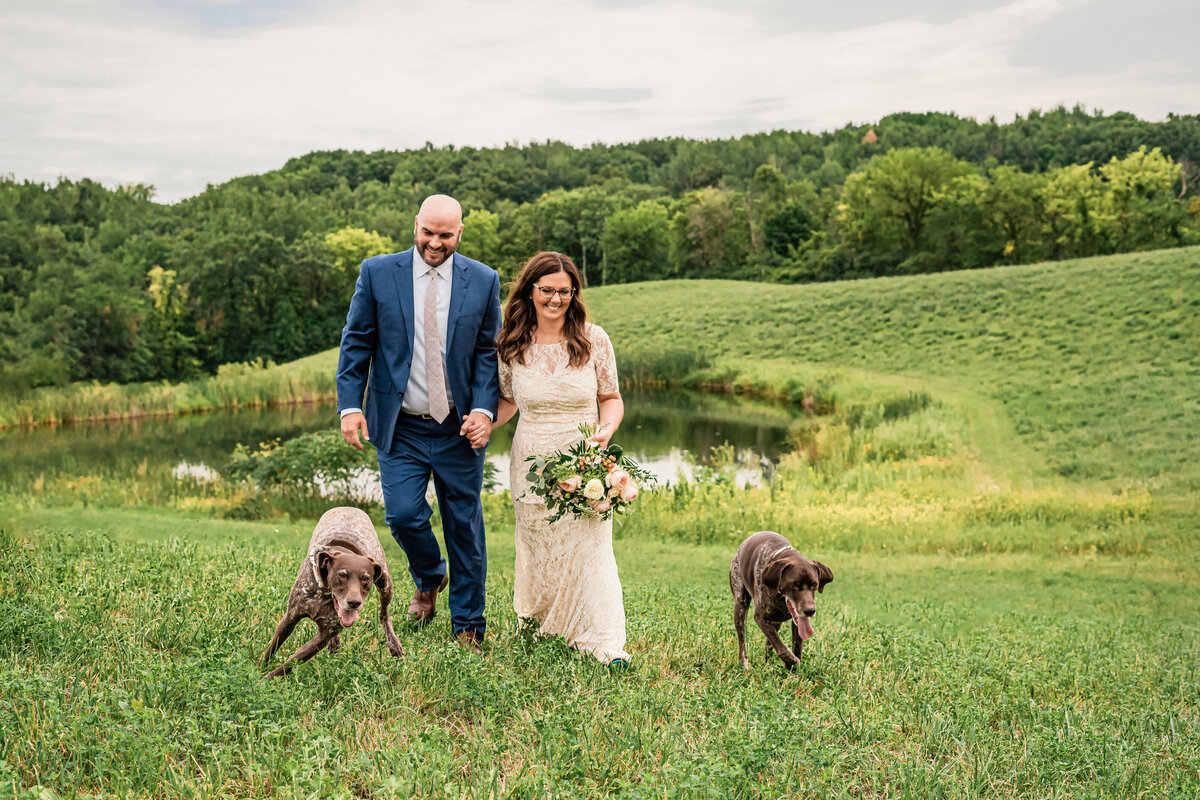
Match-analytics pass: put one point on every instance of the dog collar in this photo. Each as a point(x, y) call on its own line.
point(780, 550)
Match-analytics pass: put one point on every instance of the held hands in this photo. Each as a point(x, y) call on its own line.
point(477, 428)
point(351, 425)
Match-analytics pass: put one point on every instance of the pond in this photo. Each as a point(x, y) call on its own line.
point(671, 432)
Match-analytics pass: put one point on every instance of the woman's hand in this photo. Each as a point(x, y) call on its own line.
point(601, 437)
point(612, 410)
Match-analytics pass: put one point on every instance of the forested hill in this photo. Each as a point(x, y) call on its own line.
point(108, 285)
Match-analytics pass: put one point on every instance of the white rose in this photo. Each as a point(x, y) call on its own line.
point(594, 489)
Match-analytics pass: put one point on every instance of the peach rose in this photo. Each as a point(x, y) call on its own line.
point(630, 492)
point(602, 506)
point(570, 484)
point(618, 479)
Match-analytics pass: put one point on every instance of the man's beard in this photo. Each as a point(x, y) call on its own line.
point(435, 258)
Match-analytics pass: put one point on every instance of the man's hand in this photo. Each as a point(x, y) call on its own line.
point(477, 428)
point(351, 425)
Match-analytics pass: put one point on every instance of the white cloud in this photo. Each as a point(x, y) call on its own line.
point(129, 92)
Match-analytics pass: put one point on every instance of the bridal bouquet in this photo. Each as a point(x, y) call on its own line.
point(587, 480)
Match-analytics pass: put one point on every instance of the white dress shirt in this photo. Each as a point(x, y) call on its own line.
point(416, 396)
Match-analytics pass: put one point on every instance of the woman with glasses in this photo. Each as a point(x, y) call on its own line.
point(560, 372)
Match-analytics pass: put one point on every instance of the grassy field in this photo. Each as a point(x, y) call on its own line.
point(128, 642)
point(999, 470)
point(1095, 364)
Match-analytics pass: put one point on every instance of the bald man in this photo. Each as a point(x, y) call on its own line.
point(417, 377)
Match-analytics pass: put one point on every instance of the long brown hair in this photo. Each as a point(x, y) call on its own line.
point(520, 318)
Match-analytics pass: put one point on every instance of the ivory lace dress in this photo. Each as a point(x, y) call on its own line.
point(566, 574)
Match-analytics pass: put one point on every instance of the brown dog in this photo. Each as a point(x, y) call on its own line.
point(767, 571)
point(344, 559)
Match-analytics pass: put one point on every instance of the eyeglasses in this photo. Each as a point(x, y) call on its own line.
point(547, 292)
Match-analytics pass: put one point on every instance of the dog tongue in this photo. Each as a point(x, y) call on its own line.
point(803, 624)
point(348, 616)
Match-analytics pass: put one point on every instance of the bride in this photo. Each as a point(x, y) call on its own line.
point(559, 371)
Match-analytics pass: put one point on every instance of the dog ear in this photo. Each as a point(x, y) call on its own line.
point(773, 574)
point(377, 575)
point(824, 575)
point(323, 559)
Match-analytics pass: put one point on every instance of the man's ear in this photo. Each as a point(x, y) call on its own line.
point(824, 575)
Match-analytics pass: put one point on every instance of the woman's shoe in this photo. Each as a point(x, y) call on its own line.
point(618, 665)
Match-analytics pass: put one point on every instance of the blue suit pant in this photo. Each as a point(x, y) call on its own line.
point(421, 448)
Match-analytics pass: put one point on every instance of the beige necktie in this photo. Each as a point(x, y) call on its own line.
point(435, 376)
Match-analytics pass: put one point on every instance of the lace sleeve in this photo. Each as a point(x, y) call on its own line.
point(605, 361)
point(505, 380)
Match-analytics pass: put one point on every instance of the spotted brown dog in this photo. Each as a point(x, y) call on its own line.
point(344, 558)
point(769, 572)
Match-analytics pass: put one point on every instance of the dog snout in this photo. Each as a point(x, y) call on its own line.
point(810, 611)
point(354, 602)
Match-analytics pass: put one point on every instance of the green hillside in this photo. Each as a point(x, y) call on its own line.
point(1087, 370)
point(107, 285)
point(1002, 624)
point(1095, 363)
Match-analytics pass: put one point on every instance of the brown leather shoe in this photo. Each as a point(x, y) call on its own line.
point(421, 609)
point(471, 641)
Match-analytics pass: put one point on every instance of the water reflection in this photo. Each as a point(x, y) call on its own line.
point(671, 432)
point(149, 444)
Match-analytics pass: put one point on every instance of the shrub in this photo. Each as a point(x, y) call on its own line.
point(300, 464)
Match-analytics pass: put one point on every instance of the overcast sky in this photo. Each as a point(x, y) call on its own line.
point(180, 94)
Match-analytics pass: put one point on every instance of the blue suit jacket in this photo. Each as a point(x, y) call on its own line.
point(377, 342)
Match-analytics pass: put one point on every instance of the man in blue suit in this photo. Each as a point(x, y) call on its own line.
point(417, 371)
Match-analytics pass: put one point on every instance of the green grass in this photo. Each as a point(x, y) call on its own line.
point(128, 642)
point(1094, 364)
point(1087, 370)
point(254, 385)
point(999, 469)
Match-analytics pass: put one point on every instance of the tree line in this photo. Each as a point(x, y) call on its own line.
point(105, 284)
